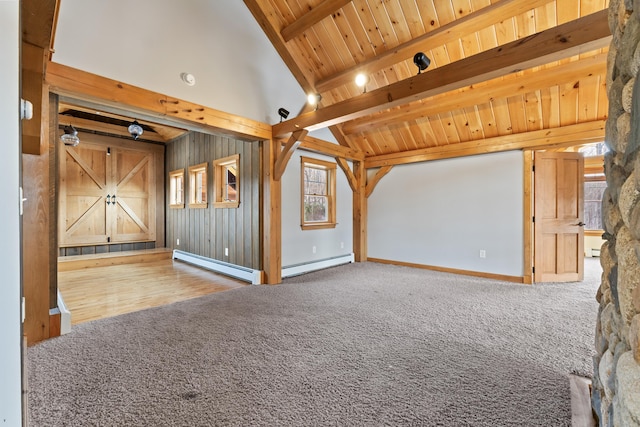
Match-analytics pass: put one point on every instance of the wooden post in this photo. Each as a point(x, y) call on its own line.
point(360, 212)
point(272, 215)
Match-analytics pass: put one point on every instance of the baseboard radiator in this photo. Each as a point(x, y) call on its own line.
point(65, 316)
point(243, 273)
point(297, 269)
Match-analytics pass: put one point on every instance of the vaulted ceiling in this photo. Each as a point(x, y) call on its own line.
point(504, 74)
point(491, 84)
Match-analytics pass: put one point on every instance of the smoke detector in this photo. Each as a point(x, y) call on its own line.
point(188, 78)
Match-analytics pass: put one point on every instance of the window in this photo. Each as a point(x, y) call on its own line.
point(227, 182)
point(318, 207)
point(176, 189)
point(198, 186)
point(594, 186)
point(593, 191)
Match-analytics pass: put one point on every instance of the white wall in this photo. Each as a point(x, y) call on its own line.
point(149, 43)
point(10, 331)
point(442, 213)
point(297, 244)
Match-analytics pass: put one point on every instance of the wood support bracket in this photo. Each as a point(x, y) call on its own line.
point(351, 178)
point(283, 158)
point(371, 185)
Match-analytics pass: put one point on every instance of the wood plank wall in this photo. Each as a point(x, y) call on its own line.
point(207, 232)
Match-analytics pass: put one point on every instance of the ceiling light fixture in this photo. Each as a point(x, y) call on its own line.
point(361, 81)
point(70, 136)
point(314, 99)
point(283, 114)
point(422, 61)
point(135, 129)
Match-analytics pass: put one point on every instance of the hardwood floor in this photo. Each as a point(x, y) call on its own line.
point(100, 292)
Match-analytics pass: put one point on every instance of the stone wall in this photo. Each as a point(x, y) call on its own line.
point(616, 380)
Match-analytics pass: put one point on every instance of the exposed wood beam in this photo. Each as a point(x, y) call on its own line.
point(111, 129)
point(39, 19)
point(311, 18)
point(278, 42)
point(35, 131)
point(283, 158)
point(360, 213)
point(480, 94)
point(582, 35)
point(380, 173)
point(316, 145)
point(475, 21)
point(582, 133)
point(351, 178)
point(85, 86)
point(166, 132)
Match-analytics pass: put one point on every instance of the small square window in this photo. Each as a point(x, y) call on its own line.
point(176, 189)
point(227, 182)
point(198, 186)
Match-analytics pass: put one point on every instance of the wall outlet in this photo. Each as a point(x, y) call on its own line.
point(483, 253)
point(226, 251)
point(313, 249)
point(177, 242)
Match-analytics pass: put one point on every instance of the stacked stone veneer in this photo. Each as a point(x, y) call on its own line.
point(616, 380)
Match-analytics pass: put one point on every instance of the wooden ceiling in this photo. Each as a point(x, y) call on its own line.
point(491, 84)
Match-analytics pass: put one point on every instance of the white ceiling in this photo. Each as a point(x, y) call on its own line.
point(149, 43)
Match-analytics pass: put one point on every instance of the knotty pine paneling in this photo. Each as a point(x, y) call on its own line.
point(207, 232)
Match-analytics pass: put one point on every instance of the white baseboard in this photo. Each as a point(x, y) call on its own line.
point(243, 273)
point(297, 269)
point(65, 316)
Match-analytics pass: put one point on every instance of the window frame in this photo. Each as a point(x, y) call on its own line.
point(174, 203)
point(593, 172)
point(330, 168)
point(193, 201)
point(220, 167)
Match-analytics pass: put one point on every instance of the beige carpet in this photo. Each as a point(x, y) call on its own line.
point(363, 344)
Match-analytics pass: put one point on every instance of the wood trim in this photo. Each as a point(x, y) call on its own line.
point(579, 36)
point(451, 32)
point(330, 167)
point(501, 277)
point(55, 323)
point(380, 173)
point(285, 155)
point(309, 19)
point(594, 233)
point(89, 87)
point(35, 131)
point(540, 139)
point(527, 220)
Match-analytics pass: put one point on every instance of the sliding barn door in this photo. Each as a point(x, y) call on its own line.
point(107, 195)
point(131, 213)
point(84, 186)
point(559, 217)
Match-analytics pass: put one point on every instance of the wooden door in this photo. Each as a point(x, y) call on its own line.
point(107, 195)
point(84, 173)
point(131, 212)
point(558, 221)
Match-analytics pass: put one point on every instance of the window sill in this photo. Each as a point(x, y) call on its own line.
point(318, 226)
point(198, 205)
point(594, 233)
point(181, 206)
point(228, 205)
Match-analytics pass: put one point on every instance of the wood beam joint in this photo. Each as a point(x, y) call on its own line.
point(283, 158)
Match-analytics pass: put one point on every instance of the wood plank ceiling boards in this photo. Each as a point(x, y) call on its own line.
point(507, 74)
